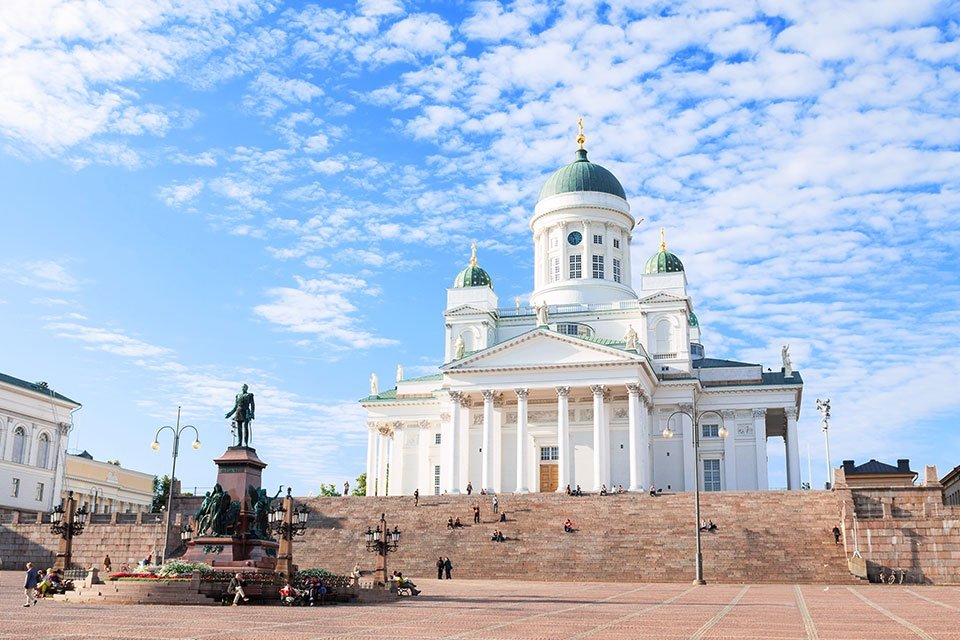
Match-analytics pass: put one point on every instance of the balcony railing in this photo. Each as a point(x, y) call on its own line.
point(507, 312)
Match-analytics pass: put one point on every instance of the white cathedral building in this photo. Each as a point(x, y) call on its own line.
point(596, 383)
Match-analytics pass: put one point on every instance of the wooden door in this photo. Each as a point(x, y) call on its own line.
point(549, 477)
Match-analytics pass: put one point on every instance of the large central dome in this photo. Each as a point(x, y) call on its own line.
point(582, 175)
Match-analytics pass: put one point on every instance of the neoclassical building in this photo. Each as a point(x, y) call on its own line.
point(35, 422)
point(595, 382)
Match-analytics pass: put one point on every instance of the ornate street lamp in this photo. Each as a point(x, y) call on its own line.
point(67, 521)
point(382, 541)
point(155, 445)
point(695, 425)
point(823, 406)
point(287, 522)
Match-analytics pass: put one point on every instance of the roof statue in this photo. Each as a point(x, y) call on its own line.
point(787, 363)
point(399, 372)
point(458, 348)
point(374, 386)
point(541, 310)
point(631, 339)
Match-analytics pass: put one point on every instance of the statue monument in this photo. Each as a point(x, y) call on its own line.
point(631, 339)
point(243, 408)
point(787, 363)
point(458, 348)
point(541, 310)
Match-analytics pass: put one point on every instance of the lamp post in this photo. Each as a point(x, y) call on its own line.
point(287, 522)
point(67, 521)
point(823, 406)
point(695, 419)
point(173, 472)
point(382, 541)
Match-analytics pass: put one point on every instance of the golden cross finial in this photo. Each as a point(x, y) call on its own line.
point(663, 241)
point(580, 137)
point(473, 254)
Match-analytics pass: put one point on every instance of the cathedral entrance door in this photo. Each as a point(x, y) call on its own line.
point(549, 477)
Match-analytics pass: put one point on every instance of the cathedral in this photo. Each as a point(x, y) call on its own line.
point(597, 382)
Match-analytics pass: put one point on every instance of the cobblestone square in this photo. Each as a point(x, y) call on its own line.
point(501, 610)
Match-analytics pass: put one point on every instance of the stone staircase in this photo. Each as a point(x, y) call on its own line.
point(763, 536)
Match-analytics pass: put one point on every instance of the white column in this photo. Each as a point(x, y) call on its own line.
point(486, 464)
point(563, 439)
point(424, 472)
point(463, 428)
point(395, 481)
point(608, 254)
point(627, 262)
point(730, 451)
point(522, 473)
point(689, 459)
point(760, 431)
point(371, 459)
point(564, 260)
point(633, 435)
point(598, 475)
point(382, 461)
point(646, 455)
point(586, 269)
point(793, 449)
point(452, 446)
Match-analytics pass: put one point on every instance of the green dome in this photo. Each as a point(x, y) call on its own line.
point(693, 320)
point(473, 276)
point(663, 262)
point(581, 175)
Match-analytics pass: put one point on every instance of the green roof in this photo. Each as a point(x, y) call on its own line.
point(38, 387)
point(472, 276)
point(433, 376)
point(663, 262)
point(581, 175)
point(693, 320)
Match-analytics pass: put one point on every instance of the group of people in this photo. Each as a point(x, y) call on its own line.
point(613, 489)
point(454, 524)
point(444, 566)
point(498, 536)
point(312, 593)
point(708, 525)
point(483, 491)
point(38, 584)
point(404, 583)
point(605, 492)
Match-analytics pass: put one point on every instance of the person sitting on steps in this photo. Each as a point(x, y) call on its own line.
point(457, 524)
point(578, 492)
point(603, 489)
point(450, 522)
point(568, 526)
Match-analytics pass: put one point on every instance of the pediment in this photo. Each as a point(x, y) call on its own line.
point(542, 348)
point(466, 309)
point(662, 297)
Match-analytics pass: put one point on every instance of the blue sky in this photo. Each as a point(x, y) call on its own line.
point(198, 195)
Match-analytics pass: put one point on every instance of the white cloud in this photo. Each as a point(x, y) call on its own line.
point(269, 93)
point(109, 340)
point(48, 275)
point(177, 195)
point(328, 167)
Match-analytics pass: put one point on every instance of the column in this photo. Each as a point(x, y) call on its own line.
point(793, 449)
point(633, 435)
point(563, 439)
point(598, 475)
point(689, 459)
point(730, 450)
point(760, 432)
point(486, 464)
point(371, 459)
point(627, 262)
point(463, 428)
point(608, 254)
point(522, 486)
point(451, 446)
point(564, 260)
point(424, 472)
point(646, 469)
point(382, 460)
point(395, 481)
point(587, 266)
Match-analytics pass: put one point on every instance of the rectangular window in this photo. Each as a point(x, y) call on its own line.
point(711, 431)
point(616, 269)
point(436, 438)
point(39, 492)
point(597, 239)
point(554, 243)
point(555, 268)
point(711, 475)
point(616, 243)
point(575, 267)
point(436, 480)
point(15, 488)
point(549, 454)
point(598, 267)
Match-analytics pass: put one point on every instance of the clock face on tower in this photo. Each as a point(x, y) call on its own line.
point(574, 238)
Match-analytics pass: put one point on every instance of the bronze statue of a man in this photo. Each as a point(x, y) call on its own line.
point(242, 411)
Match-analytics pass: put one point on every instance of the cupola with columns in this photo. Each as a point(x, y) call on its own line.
point(470, 318)
point(582, 229)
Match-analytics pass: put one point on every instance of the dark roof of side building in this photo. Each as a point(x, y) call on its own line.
point(36, 387)
point(874, 467)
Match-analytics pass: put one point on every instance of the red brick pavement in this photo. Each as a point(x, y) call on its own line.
point(494, 610)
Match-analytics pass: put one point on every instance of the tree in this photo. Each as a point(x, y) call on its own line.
point(360, 488)
point(114, 462)
point(328, 491)
point(161, 489)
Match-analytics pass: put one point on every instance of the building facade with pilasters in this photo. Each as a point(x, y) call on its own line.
point(594, 383)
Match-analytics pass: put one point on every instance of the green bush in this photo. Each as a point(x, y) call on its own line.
point(176, 568)
point(305, 574)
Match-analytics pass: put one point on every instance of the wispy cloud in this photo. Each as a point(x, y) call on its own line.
point(40, 274)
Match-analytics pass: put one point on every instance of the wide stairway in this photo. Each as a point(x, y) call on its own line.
point(763, 536)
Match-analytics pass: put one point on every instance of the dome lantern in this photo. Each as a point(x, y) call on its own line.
point(473, 276)
point(663, 261)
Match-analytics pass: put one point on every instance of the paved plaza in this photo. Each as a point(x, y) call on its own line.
point(511, 609)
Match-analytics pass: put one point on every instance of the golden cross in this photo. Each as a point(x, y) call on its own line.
point(580, 137)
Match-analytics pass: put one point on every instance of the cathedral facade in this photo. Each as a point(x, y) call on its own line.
point(597, 382)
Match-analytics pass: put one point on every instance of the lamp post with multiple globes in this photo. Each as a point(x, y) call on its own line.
point(695, 419)
point(287, 522)
point(382, 541)
point(67, 521)
point(173, 472)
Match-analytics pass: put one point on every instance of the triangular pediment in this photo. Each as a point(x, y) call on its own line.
point(466, 309)
point(661, 297)
point(542, 348)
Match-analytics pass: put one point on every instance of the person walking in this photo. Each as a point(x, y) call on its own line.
point(416, 497)
point(440, 565)
point(476, 513)
point(106, 563)
point(30, 584)
point(346, 488)
point(236, 588)
point(836, 535)
point(447, 566)
point(469, 487)
point(496, 505)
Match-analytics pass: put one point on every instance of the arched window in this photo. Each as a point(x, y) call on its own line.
point(19, 440)
point(663, 336)
point(468, 341)
point(43, 451)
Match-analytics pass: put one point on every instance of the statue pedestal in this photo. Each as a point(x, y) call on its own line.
point(238, 469)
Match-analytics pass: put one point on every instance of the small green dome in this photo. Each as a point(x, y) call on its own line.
point(473, 276)
point(693, 320)
point(581, 175)
point(663, 261)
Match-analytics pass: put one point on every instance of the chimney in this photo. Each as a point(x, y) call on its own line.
point(903, 465)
